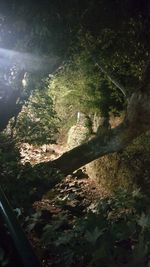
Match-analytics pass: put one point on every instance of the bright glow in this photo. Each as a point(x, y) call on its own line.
point(24, 81)
point(27, 61)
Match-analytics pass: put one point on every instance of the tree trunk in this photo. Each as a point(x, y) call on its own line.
point(135, 123)
point(109, 142)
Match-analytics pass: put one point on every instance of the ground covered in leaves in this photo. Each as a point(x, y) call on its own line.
point(62, 206)
point(66, 202)
point(76, 223)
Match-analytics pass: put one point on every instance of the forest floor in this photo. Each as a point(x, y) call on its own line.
point(76, 223)
point(72, 198)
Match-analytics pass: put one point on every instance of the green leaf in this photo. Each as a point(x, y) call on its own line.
point(92, 237)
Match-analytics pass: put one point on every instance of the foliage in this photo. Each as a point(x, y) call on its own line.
point(115, 233)
point(123, 53)
point(37, 122)
point(79, 86)
point(122, 48)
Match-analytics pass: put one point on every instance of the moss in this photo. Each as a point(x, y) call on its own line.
point(128, 169)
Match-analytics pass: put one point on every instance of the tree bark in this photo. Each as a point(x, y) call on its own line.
point(110, 141)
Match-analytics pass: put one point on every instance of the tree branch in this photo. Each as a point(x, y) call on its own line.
point(110, 78)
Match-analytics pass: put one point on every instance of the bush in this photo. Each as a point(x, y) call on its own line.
point(38, 123)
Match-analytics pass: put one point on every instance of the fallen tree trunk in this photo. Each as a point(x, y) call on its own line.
point(109, 142)
point(136, 122)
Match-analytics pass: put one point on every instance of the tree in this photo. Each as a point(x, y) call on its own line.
point(117, 22)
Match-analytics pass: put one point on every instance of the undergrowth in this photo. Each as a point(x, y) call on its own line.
point(116, 233)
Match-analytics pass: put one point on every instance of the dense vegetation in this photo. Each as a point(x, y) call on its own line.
point(78, 64)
